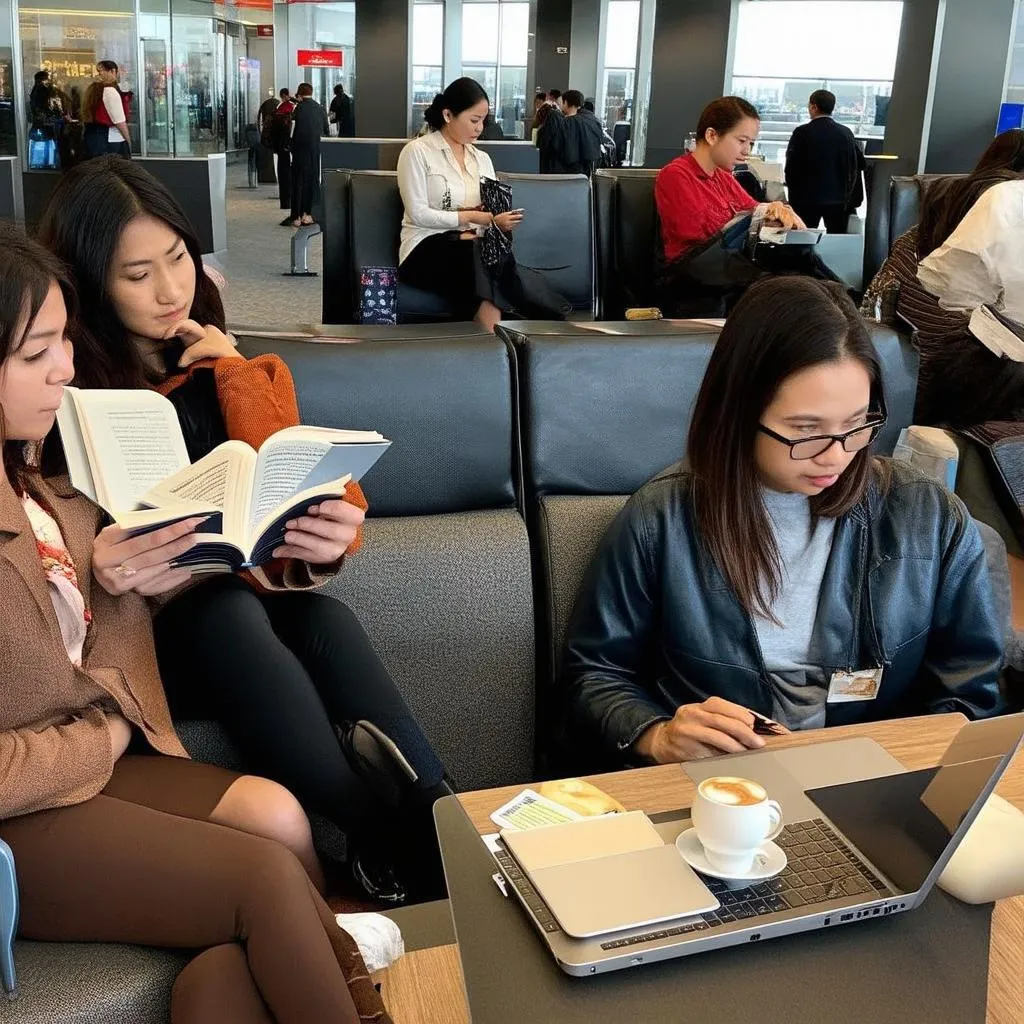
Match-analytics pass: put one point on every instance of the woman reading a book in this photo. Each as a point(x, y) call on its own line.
point(117, 835)
point(785, 573)
point(289, 675)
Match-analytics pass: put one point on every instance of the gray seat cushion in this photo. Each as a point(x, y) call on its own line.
point(92, 983)
point(448, 602)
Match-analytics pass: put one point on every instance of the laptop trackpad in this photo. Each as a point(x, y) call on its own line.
point(628, 890)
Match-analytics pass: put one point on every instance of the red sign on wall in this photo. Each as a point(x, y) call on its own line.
point(265, 31)
point(320, 59)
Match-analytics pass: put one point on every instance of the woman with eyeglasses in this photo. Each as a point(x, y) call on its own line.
point(784, 577)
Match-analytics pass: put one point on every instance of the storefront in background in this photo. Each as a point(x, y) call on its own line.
point(187, 63)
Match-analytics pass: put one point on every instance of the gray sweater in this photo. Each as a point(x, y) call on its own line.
point(799, 687)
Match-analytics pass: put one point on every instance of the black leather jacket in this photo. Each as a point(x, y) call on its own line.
point(656, 625)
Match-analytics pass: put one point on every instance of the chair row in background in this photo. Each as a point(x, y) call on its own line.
point(484, 516)
point(597, 242)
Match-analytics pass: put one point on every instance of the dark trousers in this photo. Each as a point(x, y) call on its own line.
point(305, 178)
point(142, 863)
point(280, 671)
point(284, 180)
point(835, 215)
point(445, 265)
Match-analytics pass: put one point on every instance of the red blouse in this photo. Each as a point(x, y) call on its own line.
point(694, 205)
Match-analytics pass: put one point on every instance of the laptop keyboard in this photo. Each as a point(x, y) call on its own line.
point(820, 867)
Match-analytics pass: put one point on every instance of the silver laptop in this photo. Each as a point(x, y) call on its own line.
point(864, 838)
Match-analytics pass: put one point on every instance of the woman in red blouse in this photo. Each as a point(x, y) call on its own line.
point(697, 195)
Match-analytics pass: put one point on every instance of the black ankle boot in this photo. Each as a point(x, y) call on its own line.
point(405, 843)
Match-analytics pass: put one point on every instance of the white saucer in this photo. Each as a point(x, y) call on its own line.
point(768, 861)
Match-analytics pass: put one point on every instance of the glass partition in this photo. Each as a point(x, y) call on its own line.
point(615, 103)
point(67, 43)
point(845, 46)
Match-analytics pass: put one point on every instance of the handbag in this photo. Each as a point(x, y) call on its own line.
point(495, 245)
point(378, 295)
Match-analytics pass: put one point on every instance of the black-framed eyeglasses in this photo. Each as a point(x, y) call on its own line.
point(811, 447)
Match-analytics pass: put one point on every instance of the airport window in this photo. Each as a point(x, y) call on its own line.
point(845, 46)
point(495, 51)
point(427, 57)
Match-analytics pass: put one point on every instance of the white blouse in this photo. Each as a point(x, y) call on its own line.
point(982, 261)
point(434, 188)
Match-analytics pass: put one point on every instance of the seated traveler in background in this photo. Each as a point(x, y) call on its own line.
point(823, 167)
point(697, 195)
point(783, 556)
point(288, 674)
point(439, 178)
point(117, 835)
point(964, 252)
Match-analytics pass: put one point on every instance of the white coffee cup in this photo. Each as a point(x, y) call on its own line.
point(733, 817)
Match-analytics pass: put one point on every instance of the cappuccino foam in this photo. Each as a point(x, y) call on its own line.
point(733, 791)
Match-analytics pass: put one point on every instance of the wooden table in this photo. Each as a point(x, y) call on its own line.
point(425, 987)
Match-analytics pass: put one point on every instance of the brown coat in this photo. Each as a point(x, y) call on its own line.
point(54, 742)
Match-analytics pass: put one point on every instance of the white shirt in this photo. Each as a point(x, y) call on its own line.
point(434, 188)
point(982, 261)
point(115, 111)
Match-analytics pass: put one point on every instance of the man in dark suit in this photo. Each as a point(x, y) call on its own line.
point(823, 167)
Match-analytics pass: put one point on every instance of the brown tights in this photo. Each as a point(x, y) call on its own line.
point(149, 868)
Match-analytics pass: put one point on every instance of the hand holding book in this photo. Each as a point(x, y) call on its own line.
point(323, 534)
point(144, 562)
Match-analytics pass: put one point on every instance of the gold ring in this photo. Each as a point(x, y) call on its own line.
point(125, 571)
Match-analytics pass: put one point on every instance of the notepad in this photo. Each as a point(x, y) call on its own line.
point(601, 875)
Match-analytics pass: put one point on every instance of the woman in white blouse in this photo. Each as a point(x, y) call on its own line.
point(439, 178)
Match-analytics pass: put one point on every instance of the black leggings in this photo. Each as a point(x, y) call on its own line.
point(279, 671)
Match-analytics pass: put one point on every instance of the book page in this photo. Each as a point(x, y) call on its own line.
point(221, 479)
point(134, 441)
point(73, 443)
point(280, 470)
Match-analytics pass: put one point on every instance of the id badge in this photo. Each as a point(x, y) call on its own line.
point(863, 684)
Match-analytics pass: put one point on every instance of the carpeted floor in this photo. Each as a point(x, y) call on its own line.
point(259, 251)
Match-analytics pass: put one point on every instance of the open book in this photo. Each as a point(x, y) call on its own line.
point(998, 333)
point(125, 450)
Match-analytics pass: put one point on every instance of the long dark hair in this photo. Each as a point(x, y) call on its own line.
point(779, 327)
point(460, 95)
point(26, 272)
point(91, 206)
point(947, 201)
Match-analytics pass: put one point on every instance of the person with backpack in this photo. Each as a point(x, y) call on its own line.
point(106, 113)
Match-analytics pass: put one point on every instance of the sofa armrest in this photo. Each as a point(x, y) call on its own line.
point(8, 917)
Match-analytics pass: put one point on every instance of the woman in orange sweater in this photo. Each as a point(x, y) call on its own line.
point(117, 835)
point(288, 675)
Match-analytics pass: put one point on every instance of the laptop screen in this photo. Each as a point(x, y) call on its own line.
point(905, 824)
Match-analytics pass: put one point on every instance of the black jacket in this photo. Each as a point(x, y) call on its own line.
point(570, 145)
point(341, 111)
point(656, 625)
point(823, 165)
point(309, 126)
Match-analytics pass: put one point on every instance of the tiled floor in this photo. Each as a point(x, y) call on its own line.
point(258, 253)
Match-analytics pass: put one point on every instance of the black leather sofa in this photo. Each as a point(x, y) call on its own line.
point(362, 214)
point(627, 232)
